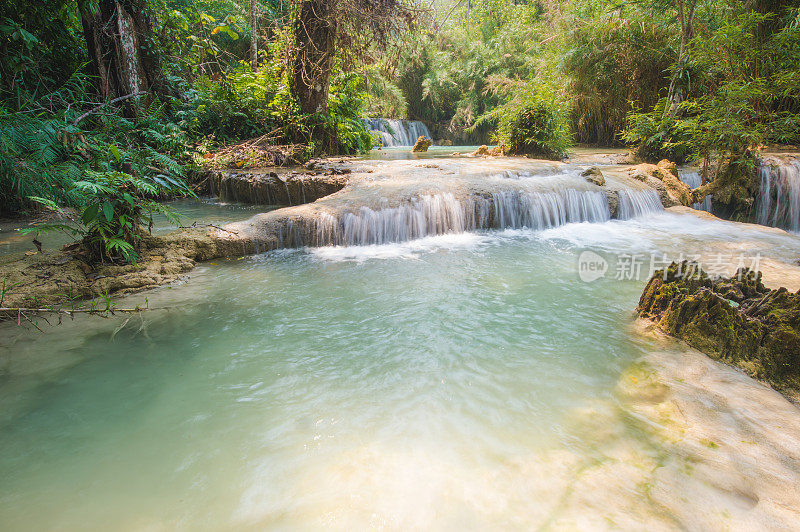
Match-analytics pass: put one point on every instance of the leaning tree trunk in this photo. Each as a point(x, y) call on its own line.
point(122, 51)
point(315, 34)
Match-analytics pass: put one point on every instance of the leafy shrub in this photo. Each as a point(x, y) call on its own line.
point(346, 109)
point(656, 135)
point(243, 104)
point(116, 206)
point(612, 62)
point(534, 121)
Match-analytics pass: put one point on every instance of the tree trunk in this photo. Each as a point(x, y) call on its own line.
point(254, 34)
point(315, 35)
point(676, 93)
point(121, 48)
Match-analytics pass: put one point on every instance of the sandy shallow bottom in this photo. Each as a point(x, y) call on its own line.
point(715, 450)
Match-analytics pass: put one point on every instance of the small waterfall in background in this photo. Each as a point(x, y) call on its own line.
point(442, 213)
point(779, 196)
point(694, 180)
point(391, 132)
point(633, 203)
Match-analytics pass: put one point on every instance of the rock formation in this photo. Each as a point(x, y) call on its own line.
point(276, 189)
point(664, 178)
point(422, 144)
point(737, 320)
point(594, 175)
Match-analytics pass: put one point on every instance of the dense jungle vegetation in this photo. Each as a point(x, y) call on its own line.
point(109, 105)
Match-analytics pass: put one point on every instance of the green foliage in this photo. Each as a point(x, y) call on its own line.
point(43, 152)
point(383, 98)
point(243, 104)
point(40, 48)
point(346, 112)
point(535, 121)
point(741, 98)
point(116, 206)
point(613, 61)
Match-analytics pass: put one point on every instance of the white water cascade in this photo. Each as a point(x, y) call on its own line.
point(694, 180)
point(391, 132)
point(439, 214)
point(633, 203)
point(779, 196)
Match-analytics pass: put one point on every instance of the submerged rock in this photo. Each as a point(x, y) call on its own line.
point(737, 320)
point(594, 175)
point(422, 144)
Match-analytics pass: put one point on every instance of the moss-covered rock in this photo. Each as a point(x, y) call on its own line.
point(737, 320)
point(595, 176)
point(422, 144)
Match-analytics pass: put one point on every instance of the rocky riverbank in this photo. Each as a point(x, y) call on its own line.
point(65, 278)
point(735, 319)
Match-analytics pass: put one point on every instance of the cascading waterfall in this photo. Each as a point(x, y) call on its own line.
point(694, 180)
point(779, 196)
point(439, 214)
point(633, 203)
point(391, 132)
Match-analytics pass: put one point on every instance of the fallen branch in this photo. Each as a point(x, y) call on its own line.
point(106, 104)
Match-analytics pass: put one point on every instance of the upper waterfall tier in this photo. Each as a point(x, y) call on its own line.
point(391, 132)
point(394, 201)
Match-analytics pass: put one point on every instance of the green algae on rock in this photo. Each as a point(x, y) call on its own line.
point(737, 320)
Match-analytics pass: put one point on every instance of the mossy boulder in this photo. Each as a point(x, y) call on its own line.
point(737, 320)
point(594, 175)
point(422, 144)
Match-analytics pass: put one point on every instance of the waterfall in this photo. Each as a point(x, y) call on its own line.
point(391, 132)
point(694, 180)
point(633, 203)
point(779, 196)
point(439, 214)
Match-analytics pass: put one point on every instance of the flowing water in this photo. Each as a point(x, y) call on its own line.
point(446, 379)
point(392, 132)
point(779, 196)
point(694, 180)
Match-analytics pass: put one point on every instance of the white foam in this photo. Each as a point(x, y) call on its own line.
point(411, 250)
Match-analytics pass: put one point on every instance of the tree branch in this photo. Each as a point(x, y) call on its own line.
point(106, 104)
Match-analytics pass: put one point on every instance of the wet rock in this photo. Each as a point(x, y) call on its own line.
point(422, 144)
point(277, 189)
point(664, 178)
point(737, 320)
point(594, 175)
point(613, 203)
point(483, 150)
